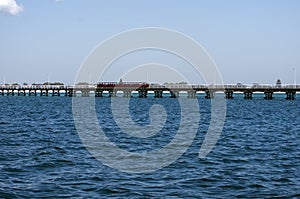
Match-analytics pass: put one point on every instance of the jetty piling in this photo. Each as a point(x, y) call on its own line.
point(290, 95)
point(209, 94)
point(268, 94)
point(248, 94)
point(228, 94)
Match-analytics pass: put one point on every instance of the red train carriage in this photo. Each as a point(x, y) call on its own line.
point(111, 85)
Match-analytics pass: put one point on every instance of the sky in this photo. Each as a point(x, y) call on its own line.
point(250, 41)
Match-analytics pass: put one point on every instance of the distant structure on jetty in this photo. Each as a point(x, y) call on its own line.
point(143, 89)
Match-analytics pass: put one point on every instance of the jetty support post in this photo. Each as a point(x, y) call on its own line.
point(174, 94)
point(248, 94)
point(158, 94)
point(290, 95)
point(70, 93)
point(268, 95)
point(209, 94)
point(127, 93)
point(98, 93)
point(85, 93)
point(192, 94)
point(142, 93)
point(228, 94)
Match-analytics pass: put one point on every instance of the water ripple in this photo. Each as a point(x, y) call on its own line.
point(257, 156)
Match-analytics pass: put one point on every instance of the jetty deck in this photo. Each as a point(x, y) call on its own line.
point(154, 90)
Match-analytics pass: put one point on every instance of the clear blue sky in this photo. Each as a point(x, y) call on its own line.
point(250, 41)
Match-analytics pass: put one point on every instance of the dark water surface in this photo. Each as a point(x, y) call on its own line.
point(257, 155)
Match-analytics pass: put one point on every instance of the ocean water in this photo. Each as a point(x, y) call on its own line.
point(257, 155)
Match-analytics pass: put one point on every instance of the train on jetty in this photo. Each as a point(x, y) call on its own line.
point(113, 85)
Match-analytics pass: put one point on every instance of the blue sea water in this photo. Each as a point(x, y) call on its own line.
point(257, 155)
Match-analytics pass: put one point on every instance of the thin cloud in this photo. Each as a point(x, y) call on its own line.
point(10, 7)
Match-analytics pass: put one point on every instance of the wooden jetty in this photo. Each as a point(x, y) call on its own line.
point(156, 91)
